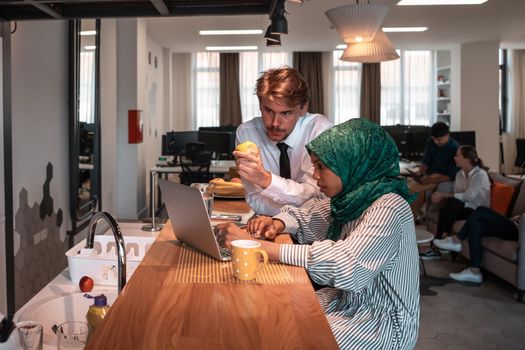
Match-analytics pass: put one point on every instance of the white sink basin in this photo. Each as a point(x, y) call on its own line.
point(59, 309)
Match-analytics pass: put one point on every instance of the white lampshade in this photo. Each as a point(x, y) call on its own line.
point(357, 22)
point(378, 50)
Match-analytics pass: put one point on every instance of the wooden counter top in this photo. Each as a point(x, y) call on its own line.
point(160, 308)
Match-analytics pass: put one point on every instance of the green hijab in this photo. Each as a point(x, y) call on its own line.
point(366, 159)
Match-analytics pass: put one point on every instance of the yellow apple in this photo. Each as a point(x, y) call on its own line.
point(248, 147)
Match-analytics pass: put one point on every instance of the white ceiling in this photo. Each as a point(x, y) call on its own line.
point(309, 29)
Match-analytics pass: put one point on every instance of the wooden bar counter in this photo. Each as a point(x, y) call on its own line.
point(179, 298)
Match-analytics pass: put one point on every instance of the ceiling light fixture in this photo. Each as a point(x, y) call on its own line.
point(270, 43)
point(90, 47)
point(88, 32)
point(272, 37)
point(357, 22)
point(439, 2)
point(231, 48)
point(279, 22)
point(378, 50)
point(404, 29)
point(231, 32)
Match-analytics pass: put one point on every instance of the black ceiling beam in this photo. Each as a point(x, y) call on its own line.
point(161, 7)
point(11, 10)
point(44, 8)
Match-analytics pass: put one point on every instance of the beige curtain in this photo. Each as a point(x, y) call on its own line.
point(517, 109)
point(371, 92)
point(310, 65)
point(230, 100)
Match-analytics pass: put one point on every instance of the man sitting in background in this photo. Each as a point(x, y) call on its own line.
point(437, 170)
point(282, 173)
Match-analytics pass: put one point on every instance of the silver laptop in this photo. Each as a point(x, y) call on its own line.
point(190, 220)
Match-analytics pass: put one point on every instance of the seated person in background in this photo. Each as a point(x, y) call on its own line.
point(471, 190)
point(437, 166)
point(360, 241)
point(483, 222)
point(272, 180)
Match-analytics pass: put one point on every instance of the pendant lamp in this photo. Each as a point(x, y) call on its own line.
point(378, 50)
point(357, 23)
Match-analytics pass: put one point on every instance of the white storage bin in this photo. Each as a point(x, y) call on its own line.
point(100, 263)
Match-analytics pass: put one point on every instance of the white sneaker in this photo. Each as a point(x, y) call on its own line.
point(467, 276)
point(447, 244)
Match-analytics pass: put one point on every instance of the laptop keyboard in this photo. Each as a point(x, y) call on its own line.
point(225, 252)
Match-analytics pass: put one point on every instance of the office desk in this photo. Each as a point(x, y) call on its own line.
point(179, 298)
point(216, 167)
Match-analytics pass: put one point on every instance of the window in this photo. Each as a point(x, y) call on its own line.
point(347, 88)
point(86, 98)
point(251, 65)
point(406, 89)
point(206, 75)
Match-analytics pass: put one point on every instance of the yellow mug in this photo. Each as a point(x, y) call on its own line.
point(246, 258)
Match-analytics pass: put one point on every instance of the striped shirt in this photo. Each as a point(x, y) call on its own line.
point(372, 301)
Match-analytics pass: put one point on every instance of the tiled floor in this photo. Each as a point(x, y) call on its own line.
point(458, 316)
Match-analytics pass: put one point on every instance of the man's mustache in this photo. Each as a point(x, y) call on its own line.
point(276, 130)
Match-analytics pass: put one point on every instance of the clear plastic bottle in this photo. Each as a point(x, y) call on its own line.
point(97, 311)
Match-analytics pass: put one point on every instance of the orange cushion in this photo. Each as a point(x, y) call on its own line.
point(501, 197)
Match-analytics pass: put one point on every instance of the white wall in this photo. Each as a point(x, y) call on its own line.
point(127, 167)
point(479, 98)
point(181, 119)
point(154, 112)
point(40, 136)
point(455, 88)
point(139, 86)
point(108, 117)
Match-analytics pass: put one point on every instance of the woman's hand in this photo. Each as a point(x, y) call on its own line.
point(264, 226)
point(228, 232)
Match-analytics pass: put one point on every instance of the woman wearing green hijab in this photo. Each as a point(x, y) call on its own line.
point(360, 242)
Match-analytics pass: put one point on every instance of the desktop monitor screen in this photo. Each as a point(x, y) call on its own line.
point(221, 143)
point(174, 142)
point(464, 137)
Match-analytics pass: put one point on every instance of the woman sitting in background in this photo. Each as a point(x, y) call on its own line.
point(471, 190)
point(360, 241)
point(482, 223)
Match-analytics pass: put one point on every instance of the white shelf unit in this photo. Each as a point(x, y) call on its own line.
point(443, 86)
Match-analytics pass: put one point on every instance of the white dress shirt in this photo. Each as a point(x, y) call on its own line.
point(473, 188)
point(301, 186)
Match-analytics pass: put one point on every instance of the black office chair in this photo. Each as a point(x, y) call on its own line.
point(520, 155)
point(196, 165)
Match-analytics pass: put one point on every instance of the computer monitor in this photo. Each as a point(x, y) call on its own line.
point(220, 143)
point(174, 142)
point(464, 137)
point(398, 134)
point(410, 139)
point(416, 137)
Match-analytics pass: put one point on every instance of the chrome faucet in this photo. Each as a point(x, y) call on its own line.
point(119, 241)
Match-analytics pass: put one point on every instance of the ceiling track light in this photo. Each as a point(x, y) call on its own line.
point(279, 22)
point(271, 37)
point(270, 43)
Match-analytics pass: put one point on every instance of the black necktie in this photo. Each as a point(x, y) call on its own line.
point(284, 161)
